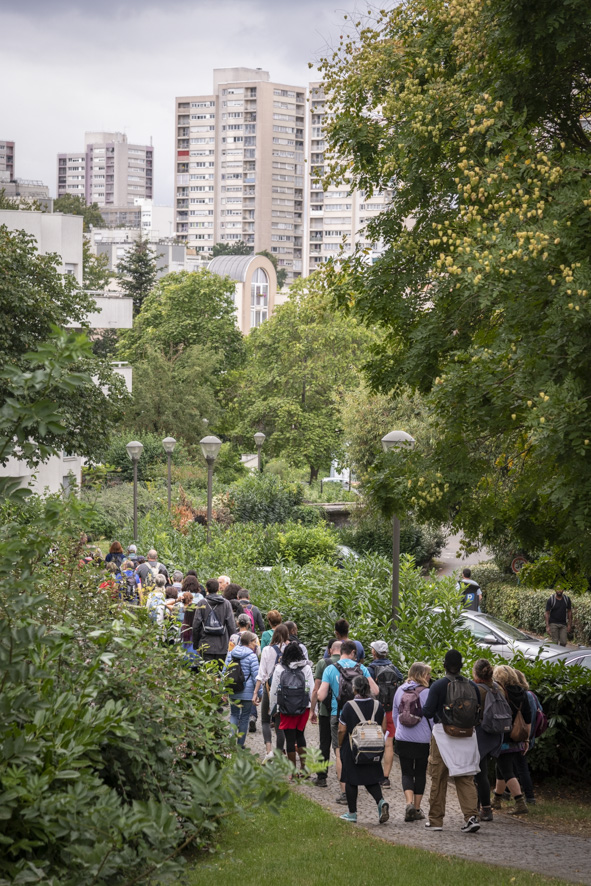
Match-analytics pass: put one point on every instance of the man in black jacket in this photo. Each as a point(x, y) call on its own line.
point(213, 625)
point(433, 709)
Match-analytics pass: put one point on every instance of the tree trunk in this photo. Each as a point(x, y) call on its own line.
point(313, 474)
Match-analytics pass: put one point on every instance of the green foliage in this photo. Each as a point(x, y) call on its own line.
point(264, 498)
point(370, 533)
point(115, 455)
point(298, 366)
point(549, 572)
point(95, 268)
point(484, 298)
point(173, 393)
point(525, 608)
point(73, 204)
point(109, 762)
point(302, 544)
point(186, 310)
point(19, 202)
point(137, 273)
point(111, 513)
point(237, 248)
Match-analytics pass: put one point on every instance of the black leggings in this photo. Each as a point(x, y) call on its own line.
point(414, 773)
point(294, 738)
point(506, 766)
point(352, 790)
point(482, 782)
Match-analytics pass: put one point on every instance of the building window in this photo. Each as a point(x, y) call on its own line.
point(259, 298)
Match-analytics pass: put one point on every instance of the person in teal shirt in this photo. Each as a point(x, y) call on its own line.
point(274, 618)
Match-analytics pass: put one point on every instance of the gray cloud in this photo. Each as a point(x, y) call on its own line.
point(119, 66)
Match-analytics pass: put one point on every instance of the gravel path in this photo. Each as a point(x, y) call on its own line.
point(507, 841)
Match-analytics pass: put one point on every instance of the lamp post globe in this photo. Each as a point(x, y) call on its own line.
point(259, 439)
point(398, 440)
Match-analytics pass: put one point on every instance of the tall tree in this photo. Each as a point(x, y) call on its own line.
point(475, 111)
point(137, 272)
point(237, 248)
point(183, 310)
point(299, 365)
point(73, 204)
point(95, 268)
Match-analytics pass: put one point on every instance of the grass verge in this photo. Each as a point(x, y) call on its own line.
point(305, 844)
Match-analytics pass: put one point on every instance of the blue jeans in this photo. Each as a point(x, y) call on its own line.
point(239, 716)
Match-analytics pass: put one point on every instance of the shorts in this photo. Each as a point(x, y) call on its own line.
point(294, 721)
point(390, 724)
point(334, 732)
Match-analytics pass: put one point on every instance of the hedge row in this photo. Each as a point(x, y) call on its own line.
point(525, 607)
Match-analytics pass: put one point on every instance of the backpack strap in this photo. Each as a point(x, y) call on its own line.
point(358, 711)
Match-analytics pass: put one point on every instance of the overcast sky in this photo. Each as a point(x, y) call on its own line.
point(67, 66)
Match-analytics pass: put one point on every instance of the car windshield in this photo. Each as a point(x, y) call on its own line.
point(508, 630)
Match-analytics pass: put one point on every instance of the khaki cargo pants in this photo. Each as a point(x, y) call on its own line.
point(465, 788)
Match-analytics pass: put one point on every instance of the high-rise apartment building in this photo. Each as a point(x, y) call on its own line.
point(7, 159)
point(337, 216)
point(239, 166)
point(109, 171)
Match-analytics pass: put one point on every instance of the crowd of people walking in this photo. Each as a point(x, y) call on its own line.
point(455, 727)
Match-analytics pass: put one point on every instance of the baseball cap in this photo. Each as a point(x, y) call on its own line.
point(381, 648)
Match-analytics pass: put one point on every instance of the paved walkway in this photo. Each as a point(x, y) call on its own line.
point(449, 563)
point(507, 841)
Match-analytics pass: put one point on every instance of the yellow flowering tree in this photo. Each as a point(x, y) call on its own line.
point(475, 114)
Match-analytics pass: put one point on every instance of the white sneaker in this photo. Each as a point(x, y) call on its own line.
point(268, 757)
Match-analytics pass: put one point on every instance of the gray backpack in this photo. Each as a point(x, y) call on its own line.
point(496, 716)
point(367, 740)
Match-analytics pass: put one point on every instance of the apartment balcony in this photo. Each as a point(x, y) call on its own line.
point(316, 237)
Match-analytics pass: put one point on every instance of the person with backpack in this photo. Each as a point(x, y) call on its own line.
point(496, 722)
point(470, 591)
point(156, 601)
point(337, 680)
point(454, 705)
point(559, 617)
point(213, 625)
point(341, 632)
point(388, 678)
point(413, 737)
point(521, 764)
point(128, 586)
point(115, 554)
point(321, 710)
point(361, 730)
point(291, 691)
point(253, 611)
point(270, 657)
point(293, 636)
point(516, 743)
point(148, 570)
point(244, 623)
point(241, 669)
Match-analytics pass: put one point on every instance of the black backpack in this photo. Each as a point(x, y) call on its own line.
point(388, 680)
point(496, 713)
point(212, 624)
point(347, 675)
point(235, 680)
point(292, 696)
point(461, 711)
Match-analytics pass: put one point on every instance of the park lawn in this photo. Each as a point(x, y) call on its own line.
point(306, 844)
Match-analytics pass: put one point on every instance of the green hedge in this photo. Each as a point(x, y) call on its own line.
point(525, 608)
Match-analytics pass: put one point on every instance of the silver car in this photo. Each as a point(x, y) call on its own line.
point(504, 639)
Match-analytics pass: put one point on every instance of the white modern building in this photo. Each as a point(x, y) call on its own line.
point(62, 234)
point(336, 217)
point(109, 171)
point(255, 287)
point(239, 166)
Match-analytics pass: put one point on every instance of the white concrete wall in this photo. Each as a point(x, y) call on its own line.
point(53, 232)
point(111, 313)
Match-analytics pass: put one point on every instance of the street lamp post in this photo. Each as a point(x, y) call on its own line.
point(210, 447)
point(259, 439)
point(396, 440)
point(134, 451)
point(169, 443)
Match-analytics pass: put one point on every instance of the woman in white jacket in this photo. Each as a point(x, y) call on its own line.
point(291, 691)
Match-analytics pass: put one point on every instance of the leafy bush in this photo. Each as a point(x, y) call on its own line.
point(115, 454)
point(525, 608)
point(370, 533)
point(488, 573)
point(110, 511)
point(305, 543)
point(264, 498)
point(110, 760)
point(549, 572)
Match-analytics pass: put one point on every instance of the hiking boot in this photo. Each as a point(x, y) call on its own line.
point(486, 813)
point(349, 816)
point(496, 801)
point(520, 807)
point(383, 811)
point(409, 814)
point(419, 815)
point(341, 799)
point(320, 782)
point(252, 726)
point(385, 783)
point(471, 826)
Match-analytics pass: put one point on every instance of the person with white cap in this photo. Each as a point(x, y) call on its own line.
point(388, 678)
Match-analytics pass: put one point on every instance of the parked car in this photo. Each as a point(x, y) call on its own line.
point(578, 655)
point(504, 639)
